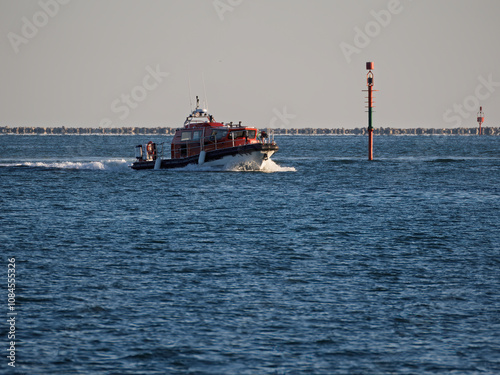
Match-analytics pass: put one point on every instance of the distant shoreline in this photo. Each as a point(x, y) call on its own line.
point(303, 131)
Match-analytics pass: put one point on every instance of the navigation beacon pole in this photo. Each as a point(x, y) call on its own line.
point(480, 119)
point(369, 83)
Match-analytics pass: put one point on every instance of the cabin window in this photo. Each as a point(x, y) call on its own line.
point(251, 134)
point(196, 135)
point(186, 136)
point(238, 134)
point(219, 134)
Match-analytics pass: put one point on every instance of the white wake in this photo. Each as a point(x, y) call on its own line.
point(269, 166)
point(103, 165)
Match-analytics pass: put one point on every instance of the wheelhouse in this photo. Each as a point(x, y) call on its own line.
point(207, 137)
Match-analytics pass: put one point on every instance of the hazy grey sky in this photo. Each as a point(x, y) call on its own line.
point(281, 63)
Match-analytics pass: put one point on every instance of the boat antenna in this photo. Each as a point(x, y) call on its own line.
point(190, 94)
point(205, 90)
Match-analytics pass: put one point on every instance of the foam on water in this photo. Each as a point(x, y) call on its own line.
point(104, 165)
point(269, 166)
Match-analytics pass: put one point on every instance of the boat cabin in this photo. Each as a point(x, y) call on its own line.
point(202, 133)
point(209, 137)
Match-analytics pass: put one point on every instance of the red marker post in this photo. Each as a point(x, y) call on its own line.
point(480, 119)
point(369, 83)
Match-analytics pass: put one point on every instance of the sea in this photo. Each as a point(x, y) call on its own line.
point(321, 263)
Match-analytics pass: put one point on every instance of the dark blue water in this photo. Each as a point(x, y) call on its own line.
point(327, 264)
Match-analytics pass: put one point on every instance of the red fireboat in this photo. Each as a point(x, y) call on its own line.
point(202, 140)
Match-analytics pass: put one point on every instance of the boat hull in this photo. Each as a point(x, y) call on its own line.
point(255, 153)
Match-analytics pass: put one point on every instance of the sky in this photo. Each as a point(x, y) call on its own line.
point(267, 63)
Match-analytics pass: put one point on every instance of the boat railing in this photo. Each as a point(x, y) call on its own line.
point(160, 153)
point(269, 139)
point(190, 148)
point(212, 142)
